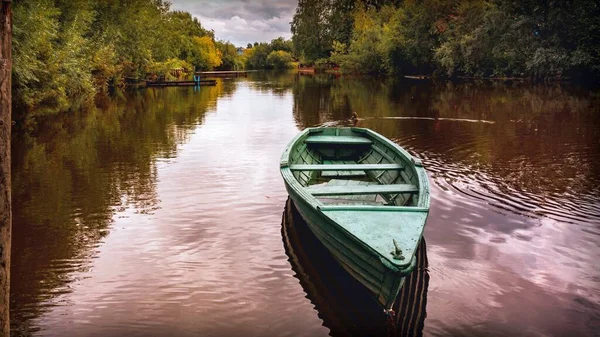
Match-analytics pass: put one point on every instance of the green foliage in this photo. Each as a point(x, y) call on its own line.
point(311, 35)
point(279, 59)
point(66, 51)
point(105, 67)
point(257, 58)
point(339, 52)
point(49, 58)
point(229, 56)
point(341, 20)
point(282, 44)
point(165, 69)
point(457, 38)
point(318, 23)
point(482, 40)
point(274, 55)
point(322, 64)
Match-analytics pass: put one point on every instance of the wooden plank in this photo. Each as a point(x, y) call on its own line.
point(338, 182)
point(330, 173)
point(368, 208)
point(345, 174)
point(359, 189)
point(225, 73)
point(344, 201)
point(359, 199)
point(364, 197)
point(346, 167)
point(335, 182)
point(178, 83)
point(335, 140)
point(352, 173)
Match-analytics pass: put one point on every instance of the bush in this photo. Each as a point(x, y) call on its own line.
point(164, 69)
point(279, 59)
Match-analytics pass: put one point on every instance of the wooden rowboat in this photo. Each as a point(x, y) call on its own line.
point(365, 198)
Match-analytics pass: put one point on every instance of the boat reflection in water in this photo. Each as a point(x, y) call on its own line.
point(345, 305)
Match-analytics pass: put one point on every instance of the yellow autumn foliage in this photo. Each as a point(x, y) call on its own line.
point(205, 55)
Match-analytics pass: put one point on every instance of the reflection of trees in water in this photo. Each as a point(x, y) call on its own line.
point(343, 304)
point(278, 83)
point(546, 134)
point(541, 139)
point(76, 171)
point(315, 101)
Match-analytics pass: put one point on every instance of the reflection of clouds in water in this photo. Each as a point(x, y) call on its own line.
point(539, 266)
point(559, 246)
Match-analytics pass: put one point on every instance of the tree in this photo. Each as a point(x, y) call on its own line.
point(5, 174)
point(311, 36)
point(279, 59)
point(204, 55)
point(341, 20)
point(256, 58)
point(37, 77)
point(229, 56)
point(282, 44)
point(65, 51)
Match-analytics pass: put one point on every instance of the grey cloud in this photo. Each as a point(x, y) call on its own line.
point(242, 21)
point(249, 10)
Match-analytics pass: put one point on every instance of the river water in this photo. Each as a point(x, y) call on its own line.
point(162, 212)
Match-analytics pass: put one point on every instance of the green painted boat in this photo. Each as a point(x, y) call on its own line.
point(365, 198)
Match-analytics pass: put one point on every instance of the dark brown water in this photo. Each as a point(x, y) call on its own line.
point(160, 213)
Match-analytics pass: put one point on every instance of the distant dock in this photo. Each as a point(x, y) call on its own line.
point(179, 83)
point(229, 73)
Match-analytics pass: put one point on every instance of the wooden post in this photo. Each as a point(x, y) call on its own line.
point(5, 199)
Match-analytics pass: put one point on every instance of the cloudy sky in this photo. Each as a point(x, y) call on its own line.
point(242, 21)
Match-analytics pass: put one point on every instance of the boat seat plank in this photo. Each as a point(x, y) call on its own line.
point(365, 199)
point(338, 140)
point(362, 197)
point(352, 173)
point(341, 201)
point(345, 167)
point(347, 174)
point(336, 182)
point(360, 189)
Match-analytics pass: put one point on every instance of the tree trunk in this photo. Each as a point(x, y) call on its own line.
point(5, 126)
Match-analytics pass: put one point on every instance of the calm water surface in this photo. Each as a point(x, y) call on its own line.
point(162, 213)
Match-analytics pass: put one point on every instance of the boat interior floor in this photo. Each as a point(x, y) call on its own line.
point(357, 199)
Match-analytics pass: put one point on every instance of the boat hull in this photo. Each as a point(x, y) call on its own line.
point(373, 238)
point(383, 280)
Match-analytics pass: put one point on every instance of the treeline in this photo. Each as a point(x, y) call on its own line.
point(66, 51)
point(495, 38)
point(274, 55)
